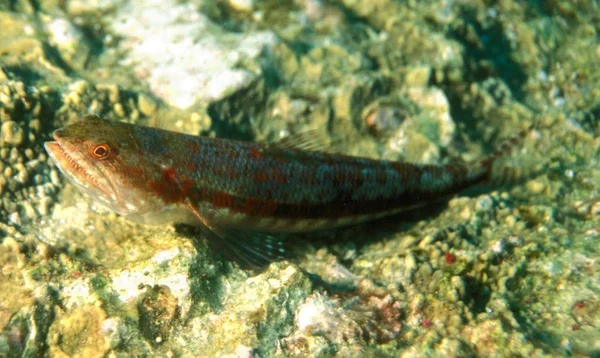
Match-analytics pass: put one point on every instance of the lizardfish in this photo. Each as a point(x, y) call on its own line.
point(155, 176)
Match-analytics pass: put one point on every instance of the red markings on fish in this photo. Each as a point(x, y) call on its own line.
point(170, 174)
point(133, 172)
point(278, 176)
point(256, 153)
point(194, 148)
point(188, 189)
point(221, 200)
point(258, 207)
point(192, 166)
point(171, 188)
point(282, 187)
point(279, 182)
point(260, 176)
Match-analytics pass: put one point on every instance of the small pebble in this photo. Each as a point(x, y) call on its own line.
point(15, 157)
point(38, 179)
point(119, 111)
point(242, 5)
point(79, 86)
point(73, 98)
point(146, 105)
point(8, 172)
point(54, 178)
point(114, 94)
point(4, 114)
point(484, 204)
point(44, 206)
point(29, 211)
point(15, 218)
point(11, 134)
point(134, 115)
point(22, 174)
point(94, 106)
point(29, 154)
point(35, 125)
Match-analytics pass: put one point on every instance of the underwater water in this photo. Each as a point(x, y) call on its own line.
point(504, 270)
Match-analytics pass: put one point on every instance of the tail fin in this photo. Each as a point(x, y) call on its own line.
point(502, 175)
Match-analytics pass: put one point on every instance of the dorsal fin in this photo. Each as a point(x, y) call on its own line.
point(312, 140)
point(90, 116)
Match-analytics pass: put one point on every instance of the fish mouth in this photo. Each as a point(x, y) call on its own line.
point(55, 149)
point(64, 161)
point(74, 171)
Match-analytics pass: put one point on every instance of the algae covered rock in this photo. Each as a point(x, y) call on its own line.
point(83, 332)
point(510, 271)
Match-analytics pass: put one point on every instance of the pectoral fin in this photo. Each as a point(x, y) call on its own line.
point(250, 250)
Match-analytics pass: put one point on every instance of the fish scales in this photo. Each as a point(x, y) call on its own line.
point(296, 178)
point(156, 176)
point(153, 170)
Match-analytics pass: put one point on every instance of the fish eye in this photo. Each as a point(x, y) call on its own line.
point(100, 151)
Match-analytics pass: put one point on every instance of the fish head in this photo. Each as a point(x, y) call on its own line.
point(104, 161)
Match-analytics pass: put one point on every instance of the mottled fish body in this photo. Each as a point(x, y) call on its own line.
point(157, 176)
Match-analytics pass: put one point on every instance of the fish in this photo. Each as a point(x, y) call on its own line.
point(246, 193)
